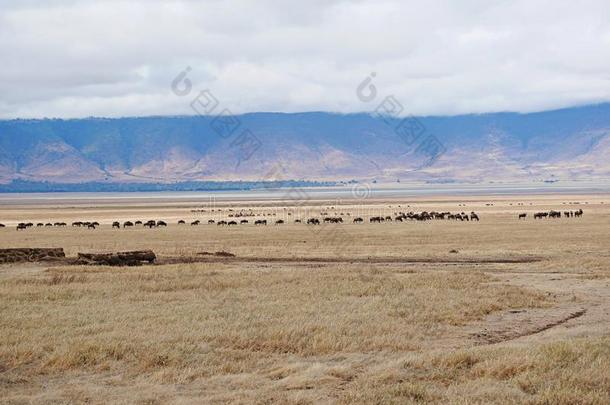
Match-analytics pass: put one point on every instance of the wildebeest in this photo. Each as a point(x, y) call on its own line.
point(297, 221)
point(474, 216)
point(243, 221)
point(232, 223)
point(358, 220)
point(313, 221)
point(138, 222)
point(260, 222)
point(221, 223)
point(524, 216)
point(554, 214)
point(39, 224)
point(21, 226)
point(211, 221)
point(91, 226)
point(116, 224)
point(127, 223)
point(150, 224)
point(195, 223)
point(333, 220)
point(2, 226)
point(279, 222)
point(77, 223)
point(578, 213)
point(181, 222)
point(161, 223)
point(376, 219)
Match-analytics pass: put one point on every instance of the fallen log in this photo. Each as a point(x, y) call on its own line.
point(17, 255)
point(133, 258)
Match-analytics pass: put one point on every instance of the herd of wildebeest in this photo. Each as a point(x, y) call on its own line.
point(324, 218)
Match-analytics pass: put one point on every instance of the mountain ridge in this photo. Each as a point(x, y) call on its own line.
point(569, 143)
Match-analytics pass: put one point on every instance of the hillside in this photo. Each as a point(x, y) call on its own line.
point(568, 144)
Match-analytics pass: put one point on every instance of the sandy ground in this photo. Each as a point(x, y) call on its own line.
point(497, 311)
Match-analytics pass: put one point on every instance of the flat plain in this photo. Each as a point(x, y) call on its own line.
point(501, 310)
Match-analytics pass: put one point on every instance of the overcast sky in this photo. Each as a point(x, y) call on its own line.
point(62, 58)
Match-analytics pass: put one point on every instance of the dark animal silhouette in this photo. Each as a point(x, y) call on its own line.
point(116, 224)
point(211, 221)
point(260, 222)
point(127, 223)
point(474, 216)
point(21, 226)
point(358, 220)
point(195, 223)
point(181, 222)
point(313, 221)
point(524, 216)
point(161, 223)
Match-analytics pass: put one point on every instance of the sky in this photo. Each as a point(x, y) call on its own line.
point(62, 58)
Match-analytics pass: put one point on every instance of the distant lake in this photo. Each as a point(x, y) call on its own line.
point(358, 191)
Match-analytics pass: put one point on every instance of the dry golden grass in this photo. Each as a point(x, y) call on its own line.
point(310, 332)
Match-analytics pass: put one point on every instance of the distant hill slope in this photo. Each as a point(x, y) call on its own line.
point(567, 144)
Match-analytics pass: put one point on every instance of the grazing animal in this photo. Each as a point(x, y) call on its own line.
point(243, 221)
point(181, 222)
point(127, 223)
point(578, 213)
point(161, 223)
point(524, 216)
point(376, 219)
point(279, 222)
point(358, 220)
point(211, 221)
point(150, 224)
point(297, 221)
point(116, 224)
point(91, 226)
point(2, 226)
point(195, 223)
point(39, 224)
point(21, 226)
point(260, 222)
point(231, 223)
point(313, 221)
point(77, 223)
point(474, 216)
point(138, 222)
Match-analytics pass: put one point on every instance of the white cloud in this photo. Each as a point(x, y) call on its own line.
point(64, 58)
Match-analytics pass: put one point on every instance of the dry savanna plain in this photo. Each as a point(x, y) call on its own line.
point(501, 310)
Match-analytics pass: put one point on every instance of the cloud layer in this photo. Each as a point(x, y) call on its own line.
point(64, 58)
